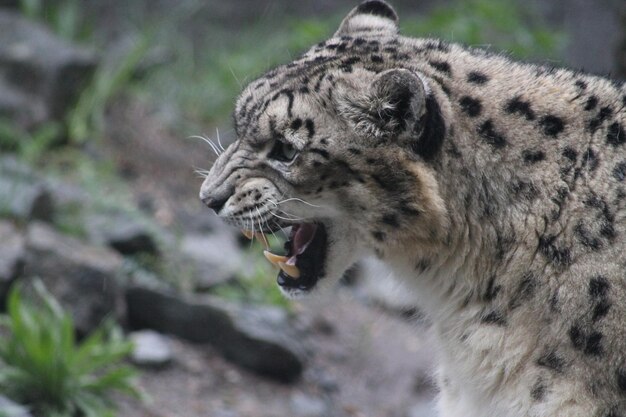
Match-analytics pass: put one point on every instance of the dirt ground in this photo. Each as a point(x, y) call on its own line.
point(363, 361)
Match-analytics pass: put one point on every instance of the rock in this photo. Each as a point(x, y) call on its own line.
point(217, 257)
point(81, 276)
point(23, 196)
point(303, 405)
point(47, 69)
point(259, 339)
point(151, 349)
point(12, 254)
point(9, 408)
point(122, 232)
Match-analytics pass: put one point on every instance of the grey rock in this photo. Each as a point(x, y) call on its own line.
point(216, 256)
point(122, 232)
point(12, 255)
point(44, 67)
point(9, 408)
point(303, 405)
point(259, 339)
point(23, 196)
point(81, 276)
point(151, 349)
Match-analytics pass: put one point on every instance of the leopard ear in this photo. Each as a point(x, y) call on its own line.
point(390, 108)
point(370, 16)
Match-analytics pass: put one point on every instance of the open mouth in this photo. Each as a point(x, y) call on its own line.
point(305, 257)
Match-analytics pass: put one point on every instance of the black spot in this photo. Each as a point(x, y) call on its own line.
point(532, 157)
point(493, 138)
point(524, 291)
point(585, 238)
point(621, 379)
point(619, 172)
point(552, 125)
point(616, 135)
point(289, 95)
point(377, 59)
point(538, 391)
point(557, 255)
point(600, 310)
point(492, 289)
point(324, 141)
point(422, 265)
point(433, 131)
point(570, 154)
point(324, 153)
point(296, 124)
point(581, 84)
point(517, 105)
point(377, 8)
point(591, 103)
point(476, 77)
point(310, 127)
point(378, 235)
point(593, 346)
point(577, 338)
point(590, 344)
point(494, 317)
point(470, 106)
point(317, 164)
point(391, 220)
point(354, 151)
point(551, 361)
point(438, 45)
point(603, 114)
point(441, 66)
point(598, 286)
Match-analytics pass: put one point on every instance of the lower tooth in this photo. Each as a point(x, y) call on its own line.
point(290, 270)
point(247, 234)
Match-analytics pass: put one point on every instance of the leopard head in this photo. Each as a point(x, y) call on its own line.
point(339, 149)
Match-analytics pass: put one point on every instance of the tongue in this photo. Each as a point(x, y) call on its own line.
point(303, 236)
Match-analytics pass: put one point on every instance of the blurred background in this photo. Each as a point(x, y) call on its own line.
point(121, 294)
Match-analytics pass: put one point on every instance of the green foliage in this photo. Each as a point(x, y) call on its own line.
point(207, 81)
point(63, 17)
point(86, 120)
point(505, 24)
point(44, 367)
point(29, 145)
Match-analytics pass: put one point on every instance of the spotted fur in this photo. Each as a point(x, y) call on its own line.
point(495, 190)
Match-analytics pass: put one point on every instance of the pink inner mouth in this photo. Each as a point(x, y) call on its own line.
point(301, 236)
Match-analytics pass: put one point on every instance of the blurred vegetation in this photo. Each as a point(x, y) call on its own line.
point(46, 369)
point(208, 81)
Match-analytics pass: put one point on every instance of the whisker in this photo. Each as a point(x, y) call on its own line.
point(217, 131)
point(208, 141)
point(299, 200)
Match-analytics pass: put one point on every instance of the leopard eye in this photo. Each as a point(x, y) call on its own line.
point(283, 151)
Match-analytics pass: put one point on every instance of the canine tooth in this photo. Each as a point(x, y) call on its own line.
point(247, 234)
point(290, 270)
point(273, 258)
point(262, 238)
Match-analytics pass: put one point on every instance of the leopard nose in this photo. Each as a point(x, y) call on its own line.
point(215, 202)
